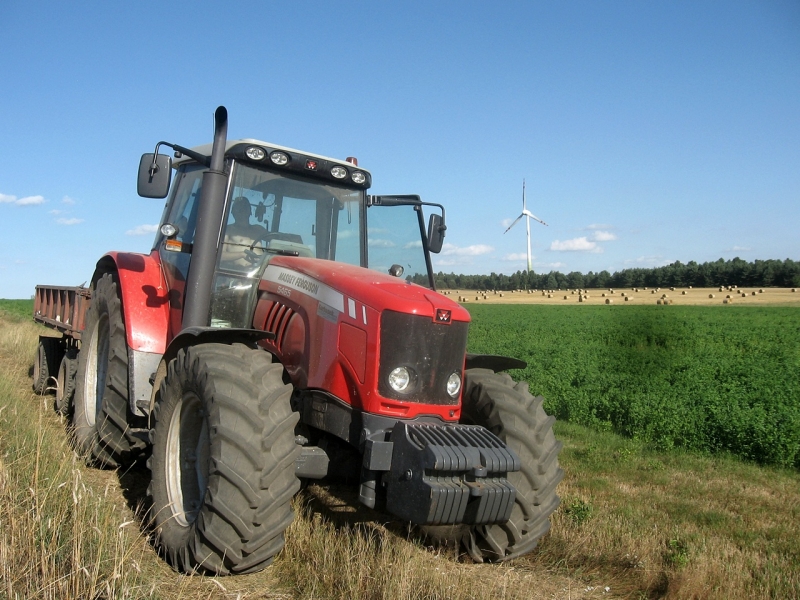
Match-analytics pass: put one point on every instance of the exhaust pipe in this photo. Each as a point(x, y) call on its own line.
point(199, 282)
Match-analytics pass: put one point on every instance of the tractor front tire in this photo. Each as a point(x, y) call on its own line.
point(45, 366)
point(102, 418)
point(507, 409)
point(223, 461)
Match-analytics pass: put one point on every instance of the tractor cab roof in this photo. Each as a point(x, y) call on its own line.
point(259, 152)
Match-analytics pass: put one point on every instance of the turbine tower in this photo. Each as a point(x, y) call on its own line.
point(528, 216)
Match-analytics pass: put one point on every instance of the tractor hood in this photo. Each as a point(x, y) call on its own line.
point(335, 283)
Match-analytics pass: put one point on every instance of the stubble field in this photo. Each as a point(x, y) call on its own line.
point(635, 296)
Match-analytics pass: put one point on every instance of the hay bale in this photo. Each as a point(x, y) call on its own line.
point(566, 297)
point(690, 287)
point(761, 291)
point(794, 289)
point(549, 295)
point(659, 301)
point(637, 289)
point(711, 296)
point(501, 294)
point(728, 300)
point(672, 289)
point(604, 294)
point(683, 293)
point(744, 294)
point(609, 301)
point(664, 296)
point(580, 298)
point(652, 291)
point(628, 298)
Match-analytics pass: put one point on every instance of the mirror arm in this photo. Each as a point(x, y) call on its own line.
point(201, 158)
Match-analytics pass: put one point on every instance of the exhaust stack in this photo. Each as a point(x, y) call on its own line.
point(200, 279)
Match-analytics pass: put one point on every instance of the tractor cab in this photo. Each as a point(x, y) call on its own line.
point(282, 202)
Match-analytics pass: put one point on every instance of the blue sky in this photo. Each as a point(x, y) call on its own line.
point(647, 132)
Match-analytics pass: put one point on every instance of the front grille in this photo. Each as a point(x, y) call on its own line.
point(431, 351)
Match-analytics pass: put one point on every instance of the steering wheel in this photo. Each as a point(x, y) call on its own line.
point(250, 253)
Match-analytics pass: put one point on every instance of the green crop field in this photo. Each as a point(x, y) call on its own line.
point(695, 377)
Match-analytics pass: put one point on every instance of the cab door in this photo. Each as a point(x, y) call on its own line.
point(175, 252)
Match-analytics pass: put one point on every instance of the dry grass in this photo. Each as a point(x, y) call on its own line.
point(692, 297)
point(633, 524)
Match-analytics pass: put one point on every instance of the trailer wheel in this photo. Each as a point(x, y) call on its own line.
point(65, 382)
point(223, 460)
point(508, 410)
point(102, 418)
point(45, 366)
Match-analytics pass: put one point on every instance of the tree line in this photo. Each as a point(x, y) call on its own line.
point(760, 273)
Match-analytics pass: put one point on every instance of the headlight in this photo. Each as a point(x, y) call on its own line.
point(279, 158)
point(399, 379)
point(255, 153)
point(359, 177)
point(454, 385)
point(339, 172)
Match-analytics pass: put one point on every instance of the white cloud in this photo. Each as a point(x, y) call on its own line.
point(599, 226)
point(580, 244)
point(413, 244)
point(739, 249)
point(142, 230)
point(67, 200)
point(30, 201)
point(517, 256)
point(649, 260)
point(26, 201)
point(474, 250)
point(603, 236)
point(373, 243)
point(506, 222)
point(56, 211)
point(551, 266)
point(71, 221)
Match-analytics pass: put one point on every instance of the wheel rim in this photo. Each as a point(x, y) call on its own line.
point(37, 365)
point(61, 382)
point(187, 459)
point(96, 368)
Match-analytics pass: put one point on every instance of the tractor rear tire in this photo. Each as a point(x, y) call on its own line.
point(45, 366)
point(507, 409)
point(65, 382)
point(102, 418)
point(223, 460)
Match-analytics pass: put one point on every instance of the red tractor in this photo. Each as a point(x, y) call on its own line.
point(285, 327)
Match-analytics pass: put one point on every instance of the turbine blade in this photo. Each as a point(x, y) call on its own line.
point(535, 218)
point(514, 223)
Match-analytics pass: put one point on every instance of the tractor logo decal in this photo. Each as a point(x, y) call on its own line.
point(443, 316)
point(305, 285)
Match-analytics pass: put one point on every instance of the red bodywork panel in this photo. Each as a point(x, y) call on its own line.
point(326, 317)
point(145, 302)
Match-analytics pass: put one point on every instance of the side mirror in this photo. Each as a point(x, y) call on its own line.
point(436, 229)
point(155, 174)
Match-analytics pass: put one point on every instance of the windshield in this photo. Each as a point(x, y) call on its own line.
point(270, 213)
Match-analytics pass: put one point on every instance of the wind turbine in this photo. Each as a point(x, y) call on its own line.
point(529, 215)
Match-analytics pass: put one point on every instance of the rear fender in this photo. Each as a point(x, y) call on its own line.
point(145, 302)
point(145, 309)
